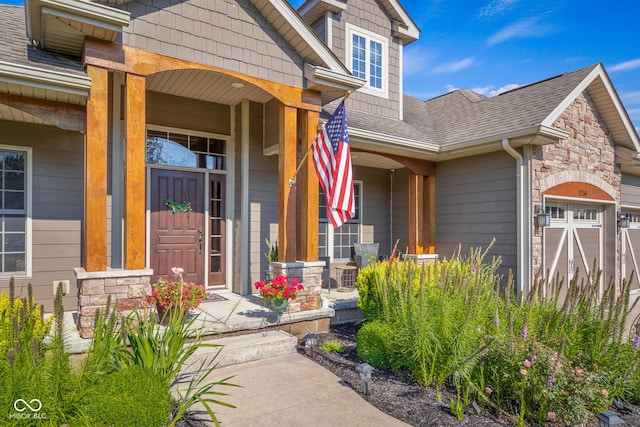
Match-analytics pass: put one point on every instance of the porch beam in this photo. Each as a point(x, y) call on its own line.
point(137, 61)
point(429, 222)
point(286, 195)
point(95, 173)
point(60, 114)
point(134, 188)
point(308, 236)
point(417, 166)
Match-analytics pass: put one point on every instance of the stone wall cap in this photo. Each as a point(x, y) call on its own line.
point(82, 274)
point(420, 256)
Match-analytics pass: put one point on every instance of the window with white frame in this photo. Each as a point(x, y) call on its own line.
point(367, 58)
point(13, 212)
point(336, 243)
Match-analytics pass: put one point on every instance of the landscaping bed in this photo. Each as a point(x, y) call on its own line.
point(396, 394)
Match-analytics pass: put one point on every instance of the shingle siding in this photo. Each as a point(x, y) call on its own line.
point(228, 34)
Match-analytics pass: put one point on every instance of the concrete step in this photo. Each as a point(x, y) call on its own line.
point(249, 347)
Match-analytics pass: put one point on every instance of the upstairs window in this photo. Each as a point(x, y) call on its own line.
point(367, 58)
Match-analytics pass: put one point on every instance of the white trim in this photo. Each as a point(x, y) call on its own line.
point(328, 29)
point(44, 79)
point(351, 30)
point(82, 19)
point(245, 286)
point(28, 211)
point(230, 204)
point(400, 84)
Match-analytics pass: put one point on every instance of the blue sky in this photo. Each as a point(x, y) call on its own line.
point(492, 45)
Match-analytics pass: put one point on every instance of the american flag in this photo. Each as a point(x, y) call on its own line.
point(332, 158)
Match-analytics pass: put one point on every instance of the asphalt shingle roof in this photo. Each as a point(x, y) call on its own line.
point(15, 47)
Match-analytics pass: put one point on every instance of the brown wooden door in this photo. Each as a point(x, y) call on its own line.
point(217, 221)
point(177, 239)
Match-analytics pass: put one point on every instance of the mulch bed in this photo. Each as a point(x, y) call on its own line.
point(396, 394)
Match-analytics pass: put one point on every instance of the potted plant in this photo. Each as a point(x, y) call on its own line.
point(170, 295)
point(279, 291)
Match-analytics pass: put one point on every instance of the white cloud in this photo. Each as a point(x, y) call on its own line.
point(414, 61)
point(454, 66)
point(625, 66)
point(496, 7)
point(525, 28)
point(631, 98)
point(487, 91)
point(451, 88)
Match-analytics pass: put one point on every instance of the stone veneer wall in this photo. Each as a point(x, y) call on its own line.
point(588, 155)
point(128, 290)
point(310, 274)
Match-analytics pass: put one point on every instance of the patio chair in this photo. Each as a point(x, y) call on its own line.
point(365, 253)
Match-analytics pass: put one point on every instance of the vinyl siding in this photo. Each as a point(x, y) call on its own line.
point(185, 113)
point(476, 202)
point(57, 209)
point(400, 191)
point(630, 190)
point(376, 215)
point(227, 34)
point(370, 16)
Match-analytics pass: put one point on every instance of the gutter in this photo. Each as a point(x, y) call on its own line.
point(521, 237)
point(44, 79)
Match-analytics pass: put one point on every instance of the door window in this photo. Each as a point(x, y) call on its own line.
point(186, 150)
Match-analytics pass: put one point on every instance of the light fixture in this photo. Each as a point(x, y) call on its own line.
point(623, 220)
point(542, 219)
point(365, 375)
point(237, 85)
point(608, 418)
point(311, 341)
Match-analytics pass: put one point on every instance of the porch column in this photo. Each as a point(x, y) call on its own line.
point(422, 222)
point(134, 188)
point(308, 248)
point(287, 197)
point(95, 173)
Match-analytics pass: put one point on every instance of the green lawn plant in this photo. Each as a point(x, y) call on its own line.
point(560, 353)
point(136, 373)
point(332, 347)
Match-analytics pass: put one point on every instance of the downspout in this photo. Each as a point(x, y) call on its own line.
point(520, 232)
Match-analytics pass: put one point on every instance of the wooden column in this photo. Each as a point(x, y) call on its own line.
point(95, 172)
point(416, 213)
point(422, 214)
point(287, 195)
point(307, 178)
point(134, 186)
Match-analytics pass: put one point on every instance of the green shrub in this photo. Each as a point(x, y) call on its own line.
point(332, 347)
point(374, 343)
point(131, 397)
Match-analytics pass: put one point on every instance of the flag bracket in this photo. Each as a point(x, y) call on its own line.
point(292, 180)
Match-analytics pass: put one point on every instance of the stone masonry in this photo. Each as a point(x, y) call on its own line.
point(310, 275)
point(127, 288)
point(588, 155)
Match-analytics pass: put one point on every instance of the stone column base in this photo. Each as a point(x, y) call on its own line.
point(421, 259)
point(310, 275)
point(128, 290)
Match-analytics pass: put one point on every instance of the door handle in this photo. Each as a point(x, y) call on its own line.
point(200, 239)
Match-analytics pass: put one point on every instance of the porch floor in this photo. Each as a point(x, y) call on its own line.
point(243, 314)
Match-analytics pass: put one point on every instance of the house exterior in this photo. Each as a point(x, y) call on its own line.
point(140, 135)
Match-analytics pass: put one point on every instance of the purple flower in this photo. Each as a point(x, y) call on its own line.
point(496, 320)
point(636, 343)
point(534, 359)
point(550, 382)
point(523, 334)
point(474, 269)
point(456, 374)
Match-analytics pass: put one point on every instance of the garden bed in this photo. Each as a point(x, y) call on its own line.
point(396, 394)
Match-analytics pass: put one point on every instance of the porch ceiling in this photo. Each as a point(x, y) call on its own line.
point(205, 86)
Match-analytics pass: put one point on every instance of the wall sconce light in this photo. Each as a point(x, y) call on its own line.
point(608, 418)
point(542, 219)
point(623, 220)
point(365, 375)
point(311, 341)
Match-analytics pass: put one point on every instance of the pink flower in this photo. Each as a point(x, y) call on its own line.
point(527, 363)
point(177, 270)
point(488, 390)
point(551, 415)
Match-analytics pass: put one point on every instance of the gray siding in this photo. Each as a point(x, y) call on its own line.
point(630, 190)
point(186, 113)
point(369, 15)
point(476, 202)
point(57, 197)
point(228, 34)
point(376, 214)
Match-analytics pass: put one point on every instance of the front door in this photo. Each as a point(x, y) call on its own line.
point(573, 241)
point(177, 235)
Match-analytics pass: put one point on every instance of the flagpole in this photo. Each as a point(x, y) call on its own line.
point(292, 180)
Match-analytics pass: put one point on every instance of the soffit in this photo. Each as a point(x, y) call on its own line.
point(12, 114)
point(314, 10)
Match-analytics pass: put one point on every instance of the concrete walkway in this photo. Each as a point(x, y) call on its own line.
point(292, 391)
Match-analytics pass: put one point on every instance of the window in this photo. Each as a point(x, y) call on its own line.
point(336, 243)
point(190, 151)
point(13, 212)
point(367, 56)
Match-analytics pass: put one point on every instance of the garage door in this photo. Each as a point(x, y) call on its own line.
point(573, 241)
point(631, 249)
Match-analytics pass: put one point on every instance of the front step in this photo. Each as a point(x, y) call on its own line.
point(249, 347)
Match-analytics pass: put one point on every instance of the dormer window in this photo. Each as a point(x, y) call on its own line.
point(367, 58)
